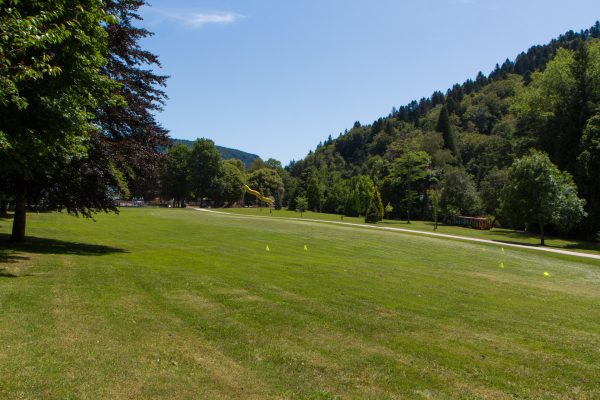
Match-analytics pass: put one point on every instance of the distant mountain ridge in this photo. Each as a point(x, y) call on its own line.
point(226, 152)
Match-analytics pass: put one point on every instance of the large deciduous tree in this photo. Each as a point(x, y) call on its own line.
point(230, 183)
point(411, 168)
point(52, 53)
point(204, 167)
point(78, 95)
point(458, 194)
point(538, 192)
point(175, 176)
point(491, 189)
point(267, 182)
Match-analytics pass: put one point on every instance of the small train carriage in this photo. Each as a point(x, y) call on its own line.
point(473, 222)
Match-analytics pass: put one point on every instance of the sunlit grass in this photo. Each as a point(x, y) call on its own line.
point(158, 303)
point(496, 234)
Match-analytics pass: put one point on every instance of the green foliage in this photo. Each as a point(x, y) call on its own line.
point(557, 104)
point(447, 130)
point(226, 153)
point(378, 204)
point(486, 107)
point(588, 169)
point(481, 154)
point(388, 210)
point(411, 169)
point(51, 57)
point(374, 212)
point(273, 164)
point(174, 175)
point(229, 183)
point(239, 164)
point(459, 194)
point(257, 164)
point(314, 194)
point(359, 190)
point(27, 32)
point(371, 215)
point(538, 192)
point(204, 167)
point(435, 196)
point(301, 203)
point(492, 187)
point(267, 182)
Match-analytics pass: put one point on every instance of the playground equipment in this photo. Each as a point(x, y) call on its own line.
point(269, 200)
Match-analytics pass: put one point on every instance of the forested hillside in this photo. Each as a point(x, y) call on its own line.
point(457, 146)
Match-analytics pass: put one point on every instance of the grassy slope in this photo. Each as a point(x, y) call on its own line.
point(183, 304)
point(497, 234)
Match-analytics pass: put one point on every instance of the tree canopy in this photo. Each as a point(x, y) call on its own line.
point(538, 192)
point(45, 106)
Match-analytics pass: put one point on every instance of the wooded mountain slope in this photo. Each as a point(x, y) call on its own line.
point(461, 142)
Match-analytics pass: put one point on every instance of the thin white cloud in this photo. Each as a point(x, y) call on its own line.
point(197, 19)
point(201, 19)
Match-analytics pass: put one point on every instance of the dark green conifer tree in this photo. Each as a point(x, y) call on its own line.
point(445, 128)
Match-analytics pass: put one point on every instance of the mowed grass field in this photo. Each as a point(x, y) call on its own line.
point(500, 235)
point(182, 304)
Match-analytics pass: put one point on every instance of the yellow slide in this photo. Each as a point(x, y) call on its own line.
point(259, 196)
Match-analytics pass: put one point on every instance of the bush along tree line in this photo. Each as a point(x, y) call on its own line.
point(520, 145)
point(77, 96)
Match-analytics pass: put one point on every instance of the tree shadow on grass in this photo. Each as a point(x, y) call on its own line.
point(38, 245)
point(5, 274)
point(512, 237)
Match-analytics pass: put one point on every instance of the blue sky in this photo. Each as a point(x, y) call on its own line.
point(275, 77)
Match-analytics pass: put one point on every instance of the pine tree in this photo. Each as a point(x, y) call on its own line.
point(445, 128)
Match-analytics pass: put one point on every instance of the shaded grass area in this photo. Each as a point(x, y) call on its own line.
point(183, 304)
point(496, 234)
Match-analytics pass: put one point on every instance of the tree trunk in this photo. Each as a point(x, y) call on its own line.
point(409, 201)
point(18, 228)
point(542, 234)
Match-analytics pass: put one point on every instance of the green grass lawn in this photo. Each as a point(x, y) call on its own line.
point(181, 304)
point(496, 234)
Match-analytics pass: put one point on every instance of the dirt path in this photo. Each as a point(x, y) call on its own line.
point(411, 231)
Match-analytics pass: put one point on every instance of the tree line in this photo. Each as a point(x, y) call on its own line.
point(199, 174)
